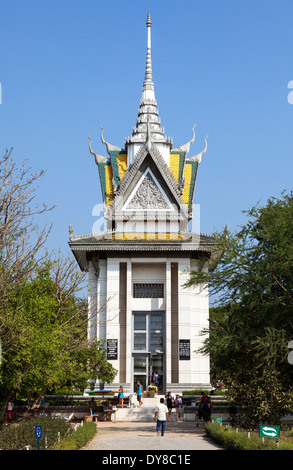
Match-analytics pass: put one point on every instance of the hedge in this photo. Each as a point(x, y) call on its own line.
point(232, 440)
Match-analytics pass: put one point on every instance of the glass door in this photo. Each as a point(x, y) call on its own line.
point(140, 370)
point(148, 348)
point(156, 366)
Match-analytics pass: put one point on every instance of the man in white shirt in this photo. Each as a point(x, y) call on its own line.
point(161, 415)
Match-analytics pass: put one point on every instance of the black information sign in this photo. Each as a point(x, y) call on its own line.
point(184, 349)
point(112, 349)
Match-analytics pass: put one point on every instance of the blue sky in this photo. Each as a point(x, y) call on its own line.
point(68, 66)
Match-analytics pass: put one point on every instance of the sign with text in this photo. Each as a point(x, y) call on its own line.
point(112, 349)
point(184, 349)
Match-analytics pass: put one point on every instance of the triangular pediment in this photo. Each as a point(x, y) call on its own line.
point(148, 175)
point(148, 195)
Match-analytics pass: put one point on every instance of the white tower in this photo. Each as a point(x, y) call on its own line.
point(138, 305)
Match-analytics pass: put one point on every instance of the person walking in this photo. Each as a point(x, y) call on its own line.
point(199, 413)
point(161, 416)
point(157, 381)
point(178, 406)
point(207, 410)
point(93, 407)
point(169, 400)
point(121, 396)
point(10, 407)
point(139, 393)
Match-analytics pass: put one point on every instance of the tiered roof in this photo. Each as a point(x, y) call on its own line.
point(115, 167)
point(122, 171)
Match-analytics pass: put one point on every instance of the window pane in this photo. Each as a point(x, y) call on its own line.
point(139, 366)
point(157, 362)
point(156, 322)
point(156, 342)
point(140, 322)
point(156, 333)
point(139, 342)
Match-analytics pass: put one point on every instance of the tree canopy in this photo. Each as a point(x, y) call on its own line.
point(43, 322)
point(252, 277)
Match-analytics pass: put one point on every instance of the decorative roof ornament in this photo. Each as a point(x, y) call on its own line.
point(108, 146)
point(98, 158)
point(197, 158)
point(71, 232)
point(186, 147)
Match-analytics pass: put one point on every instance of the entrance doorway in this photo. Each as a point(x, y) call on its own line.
point(144, 366)
point(148, 349)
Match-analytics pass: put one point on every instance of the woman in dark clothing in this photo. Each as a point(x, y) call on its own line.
point(169, 403)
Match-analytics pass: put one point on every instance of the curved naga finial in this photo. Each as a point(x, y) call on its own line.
point(197, 158)
point(71, 232)
point(186, 147)
point(98, 158)
point(109, 146)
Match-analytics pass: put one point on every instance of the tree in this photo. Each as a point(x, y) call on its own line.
point(43, 322)
point(253, 279)
point(21, 240)
point(50, 345)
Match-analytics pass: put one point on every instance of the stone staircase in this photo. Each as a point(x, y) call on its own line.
point(145, 413)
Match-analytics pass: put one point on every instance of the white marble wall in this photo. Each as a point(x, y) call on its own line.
point(193, 311)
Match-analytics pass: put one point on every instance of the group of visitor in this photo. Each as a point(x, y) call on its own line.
point(164, 408)
point(204, 409)
point(163, 411)
point(174, 401)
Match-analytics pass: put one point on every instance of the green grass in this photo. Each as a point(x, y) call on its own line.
point(78, 438)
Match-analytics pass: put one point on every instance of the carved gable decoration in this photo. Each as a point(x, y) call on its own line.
point(148, 188)
point(148, 195)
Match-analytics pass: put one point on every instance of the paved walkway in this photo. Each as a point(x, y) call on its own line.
point(143, 436)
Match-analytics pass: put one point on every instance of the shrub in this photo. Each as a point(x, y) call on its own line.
point(232, 440)
point(17, 436)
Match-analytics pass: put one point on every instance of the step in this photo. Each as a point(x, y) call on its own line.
point(134, 414)
point(145, 413)
point(138, 414)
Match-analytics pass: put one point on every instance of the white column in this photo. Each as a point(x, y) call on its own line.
point(184, 321)
point(92, 302)
point(112, 323)
point(101, 301)
point(168, 323)
point(200, 321)
point(129, 324)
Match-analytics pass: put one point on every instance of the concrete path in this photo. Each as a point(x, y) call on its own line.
point(126, 436)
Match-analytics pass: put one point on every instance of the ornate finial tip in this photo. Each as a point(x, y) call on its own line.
point(149, 21)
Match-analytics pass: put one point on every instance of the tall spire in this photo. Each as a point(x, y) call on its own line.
point(148, 116)
point(148, 85)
